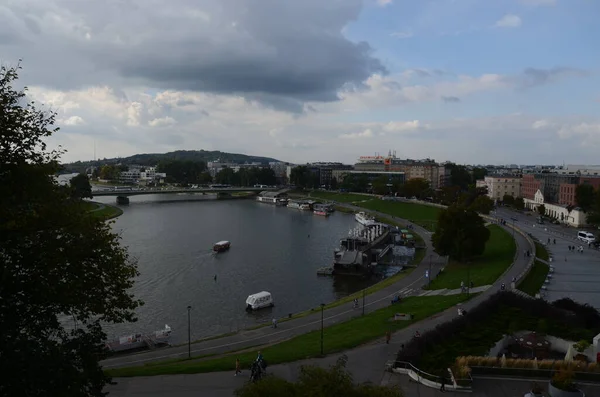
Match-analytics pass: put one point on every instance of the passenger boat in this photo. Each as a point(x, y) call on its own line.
point(221, 246)
point(364, 219)
point(259, 300)
point(139, 341)
point(321, 212)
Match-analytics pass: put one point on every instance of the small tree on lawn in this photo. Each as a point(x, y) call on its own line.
point(519, 203)
point(482, 204)
point(541, 209)
point(507, 199)
point(460, 233)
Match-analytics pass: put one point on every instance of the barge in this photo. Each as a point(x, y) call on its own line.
point(139, 341)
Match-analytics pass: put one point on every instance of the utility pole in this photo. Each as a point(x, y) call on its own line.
point(322, 307)
point(189, 334)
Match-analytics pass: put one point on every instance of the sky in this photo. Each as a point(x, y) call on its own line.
point(468, 81)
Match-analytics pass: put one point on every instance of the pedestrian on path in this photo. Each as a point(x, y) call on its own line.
point(238, 369)
point(388, 336)
point(274, 323)
point(443, 382)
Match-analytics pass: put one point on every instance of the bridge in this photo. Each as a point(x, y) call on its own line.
point(122, 193)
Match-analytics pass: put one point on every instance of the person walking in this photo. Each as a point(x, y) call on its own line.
point(443, 384)
point(274, 323)
point(238, 368)
point(388, 336)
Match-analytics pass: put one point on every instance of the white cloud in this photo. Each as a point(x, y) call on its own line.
point(540, 124)
point(536, 3)
point(73, 120)
point(401, 35)
point(509, 21)
point(401, 126)
point(162, 122)
point(368, 133)
point(383, 3)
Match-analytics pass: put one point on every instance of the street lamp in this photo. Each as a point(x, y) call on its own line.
point(363, 305)
point(322, 307)
point(189, 334)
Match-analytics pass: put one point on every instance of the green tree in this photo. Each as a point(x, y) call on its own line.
point(80, 185)
point(448, 195)
point(460, 233)
point(300, 176)
point(593, 216)
point(541, 209)
point(416, 187)
point(584, 197)
point(55, 261)
point(227, 176)
point(519, 203)
point(460, 176)
point(317, 382)
point(379, 185)
point(110, 172)
point(482, 204)
point(507, 199)
point(479, 173)
point(333, 185)
point(185, 172)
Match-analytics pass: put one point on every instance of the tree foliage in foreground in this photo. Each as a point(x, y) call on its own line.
point(81, 187)
point(460, 233)
point(59, 267)
point(316, 382)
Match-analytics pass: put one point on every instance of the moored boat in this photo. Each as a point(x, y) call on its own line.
point(221, 246)
point(139, 341)
point(364, 219)
point(321, 212)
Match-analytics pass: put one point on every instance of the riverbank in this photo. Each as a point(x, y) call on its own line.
point(102, 211)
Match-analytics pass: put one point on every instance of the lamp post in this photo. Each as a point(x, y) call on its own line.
point(322, 307)
point(363, 305)
point(429, 278)
point(189, 334)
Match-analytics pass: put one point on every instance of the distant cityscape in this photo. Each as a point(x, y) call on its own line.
point(552, 186)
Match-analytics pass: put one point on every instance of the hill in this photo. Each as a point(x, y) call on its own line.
point(150, 159)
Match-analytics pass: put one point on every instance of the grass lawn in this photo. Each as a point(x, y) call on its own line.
point(423, 215)
point(337, 338)
point(89, 205)
point(479, 337)
point(339, 197)
point(534, 280)
point(497, 257)
point(106, 213)
point(541, 251)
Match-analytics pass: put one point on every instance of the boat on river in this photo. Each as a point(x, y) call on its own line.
point(364, 219)
point(221, 246)
point(139, 341)
point(259, 300)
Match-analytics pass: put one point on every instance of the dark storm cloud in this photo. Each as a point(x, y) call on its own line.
point(450, 99)
point(283, 53)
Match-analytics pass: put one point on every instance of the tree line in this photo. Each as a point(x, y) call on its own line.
point(246, 176)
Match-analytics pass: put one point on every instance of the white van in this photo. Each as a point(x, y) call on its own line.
point(586, 237)
point(259, 300)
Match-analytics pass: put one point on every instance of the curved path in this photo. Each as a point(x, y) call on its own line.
point(366, 362)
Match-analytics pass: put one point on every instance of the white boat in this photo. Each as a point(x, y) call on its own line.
point(139, 341)
point(364, 219)
point(259, 300)
point(294, 205)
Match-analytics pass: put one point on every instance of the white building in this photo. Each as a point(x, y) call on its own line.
point(575, 217)
point(500, 186)
point(215, 166)
point(137, 174)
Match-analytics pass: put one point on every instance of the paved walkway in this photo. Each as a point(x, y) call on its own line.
point(366, 362)
point(575, 274)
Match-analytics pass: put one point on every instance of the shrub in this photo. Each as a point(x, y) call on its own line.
point(588, 313)
point(581, 345)
point(563, 380)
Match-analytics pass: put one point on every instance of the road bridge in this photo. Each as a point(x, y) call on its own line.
point(122, 194)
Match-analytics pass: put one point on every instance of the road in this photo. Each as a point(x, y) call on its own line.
point(576, 275)
point(366, 362)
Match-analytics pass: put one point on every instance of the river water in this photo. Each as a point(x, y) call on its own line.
point(274, 249)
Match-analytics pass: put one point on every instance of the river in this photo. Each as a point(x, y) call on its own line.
point(274, 249)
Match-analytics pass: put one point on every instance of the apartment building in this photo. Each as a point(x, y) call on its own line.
point(500, 186)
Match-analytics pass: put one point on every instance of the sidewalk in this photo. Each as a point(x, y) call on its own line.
point(408, 285)
point(366, 362)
